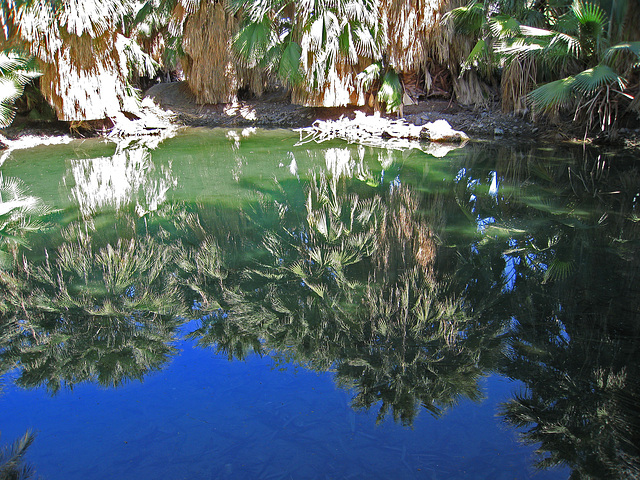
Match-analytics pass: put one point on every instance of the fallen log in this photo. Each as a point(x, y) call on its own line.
point(435, 138)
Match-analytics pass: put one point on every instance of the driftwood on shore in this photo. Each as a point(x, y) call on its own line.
point(151, 120)
point(436, 138)
point(152, 126)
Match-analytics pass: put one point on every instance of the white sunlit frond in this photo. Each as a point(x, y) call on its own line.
point(366, 43)
point(139, 60)
point(362, 11)
point(518, 46)
point(9, 91)
point(92, 17)
point(572, 43)
point(535, 32)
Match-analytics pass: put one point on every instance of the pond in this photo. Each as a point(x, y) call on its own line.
point(229, 304)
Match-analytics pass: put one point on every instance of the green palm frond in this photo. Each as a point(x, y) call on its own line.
point(18, 213)
point(391, 91)
point(592, 79)
point(591, 28)
point(567, 44)
point(346, 41)
point(289, 65)
point(468, 20)
point(9, 92)
point(591, 17)
point(534, 18)
point(476, 54)
point(550, 47)
point(18, 67)
point(559, 269)
point(633, 48)
point(553, 94)
point(254, 40)
point(15, 72)
point(566, 23)
point(504, 26)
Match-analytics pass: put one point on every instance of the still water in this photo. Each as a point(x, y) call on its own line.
point(227, 304)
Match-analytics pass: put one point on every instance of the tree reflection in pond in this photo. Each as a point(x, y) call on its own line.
point(93, 313)
point(575, 307)
point(351, 286)
point(20, 214)
point(409, 290)
point(117, 180)
point(12, 463)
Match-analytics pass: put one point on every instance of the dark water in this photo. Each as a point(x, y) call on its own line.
point(228, 304)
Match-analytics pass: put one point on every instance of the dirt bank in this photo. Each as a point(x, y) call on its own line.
point(275, 110)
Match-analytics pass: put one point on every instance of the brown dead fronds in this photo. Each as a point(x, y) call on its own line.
point(208, 65)
point(85, 59)
point(517, 79)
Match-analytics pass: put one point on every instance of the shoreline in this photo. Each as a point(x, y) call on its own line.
point(274, 110)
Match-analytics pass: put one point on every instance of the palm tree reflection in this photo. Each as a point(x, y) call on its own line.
point(93, 313)
point(409, 297)
point(574, 306)
point(351, 285)
point(12, 463)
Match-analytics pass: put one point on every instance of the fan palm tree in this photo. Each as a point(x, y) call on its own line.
point(537, 43)
point(579, 39)
point(80, 47)
point(318, 47)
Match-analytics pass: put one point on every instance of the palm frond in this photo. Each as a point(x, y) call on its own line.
point(553, 94)
point(520, 47)
point(391, 91)
point(477, 52)
point(467, 20)
point(362, 11)
point(368, 41)
point(254, 40)
point(138, 60)
point(15, 72)
point(92, 17)
point(567, 43)
point(504, 26)
point(536, 32)
point(613, 53)
point(590, 80)
point(591, 17)
point(369, 75)
point(9, 91)
point(289, 66)
point(347, 44)
point(12, 463)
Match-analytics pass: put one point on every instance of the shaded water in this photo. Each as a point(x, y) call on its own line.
point(227, 304)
